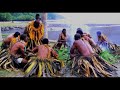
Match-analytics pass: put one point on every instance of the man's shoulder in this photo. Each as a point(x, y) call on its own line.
point(30, 22)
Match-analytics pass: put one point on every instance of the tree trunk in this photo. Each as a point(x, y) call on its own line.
point(0, 35)
point(44, 20)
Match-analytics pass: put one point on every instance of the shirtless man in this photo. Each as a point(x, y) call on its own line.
point(81, 46)
point(101, 37)
point(62, 39)
point(10, 40)
point(86, 37)
point(18, 51)
point(45, 51)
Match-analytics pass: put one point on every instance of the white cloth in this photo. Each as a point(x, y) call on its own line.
point(19, 60)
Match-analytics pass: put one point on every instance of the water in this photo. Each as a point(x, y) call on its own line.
point(113, 33)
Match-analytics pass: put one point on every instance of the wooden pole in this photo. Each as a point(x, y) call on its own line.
point(44, 20)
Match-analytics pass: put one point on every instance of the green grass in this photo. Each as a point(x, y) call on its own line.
point(4, 73)
point(0, 43)
point(10, 24)
point(4, 35)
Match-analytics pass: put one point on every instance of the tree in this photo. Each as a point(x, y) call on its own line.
point(5, 17)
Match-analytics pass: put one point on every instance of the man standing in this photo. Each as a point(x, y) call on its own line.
point(35, 32)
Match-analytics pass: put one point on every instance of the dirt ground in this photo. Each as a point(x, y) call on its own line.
point(4, 73)
point(118, 69)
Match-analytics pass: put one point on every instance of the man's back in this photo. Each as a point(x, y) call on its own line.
point(16, 47)
point(43, 51)
point(8, 39)
point(82, 47)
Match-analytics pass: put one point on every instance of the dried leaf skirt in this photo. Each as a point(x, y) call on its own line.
point(91, 66)
point(43, 68)
point(5, 60)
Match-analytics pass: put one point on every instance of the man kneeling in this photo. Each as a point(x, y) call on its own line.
point(18, 52)
point(44, 64)
point(85, 62)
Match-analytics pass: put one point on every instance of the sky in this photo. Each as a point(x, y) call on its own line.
point(80, 19)
point(92, 18)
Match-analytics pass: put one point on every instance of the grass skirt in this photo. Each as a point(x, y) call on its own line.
point(92, 66)
point(43, 68)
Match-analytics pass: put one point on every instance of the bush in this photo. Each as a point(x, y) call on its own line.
point(5, 17)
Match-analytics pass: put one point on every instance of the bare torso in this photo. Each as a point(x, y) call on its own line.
point(102, 38)
point(90, 40)
point(8, 39)
point(62, 37)
point(81, 46)
point(88, 46)
point(44, 51)
point(16, 48)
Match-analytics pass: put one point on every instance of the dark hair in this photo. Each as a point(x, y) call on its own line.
point(16, 34)
point(23, 36)
point(98, 33)
point(37, 16)
point(77, 36)
point(63, 30)
point(79, 30)
point(36, 24)
point(45, 41)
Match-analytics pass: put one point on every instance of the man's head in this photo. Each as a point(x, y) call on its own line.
point(45, 41)
point(23, 37)
point(36, 24)
point(16, 34)
point(37, 17)
point(77, 36)
point(79, 30)
point(98, 33)
point(64, 31)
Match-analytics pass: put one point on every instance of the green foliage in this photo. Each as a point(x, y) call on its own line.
point(5, 17)
point(26, 16)
point(109, 57)
point(63, 54)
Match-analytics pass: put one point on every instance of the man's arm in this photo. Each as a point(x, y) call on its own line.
point(22, 48)
point(7, 40)
point(72, 50)
point(54, 53)
point(104, 37)
point(92, 43)
point(35, 49)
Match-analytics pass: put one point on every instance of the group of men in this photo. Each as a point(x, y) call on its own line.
point(32, 41)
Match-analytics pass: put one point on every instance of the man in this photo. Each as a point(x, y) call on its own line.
point(87, 38)
point(101, 37)
point(48, 51)
point(10, 40)
point(86, 63)
point(43, 65)
point(80, 45)
point(18, 52)
point(62, 39)
point(35, 32)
